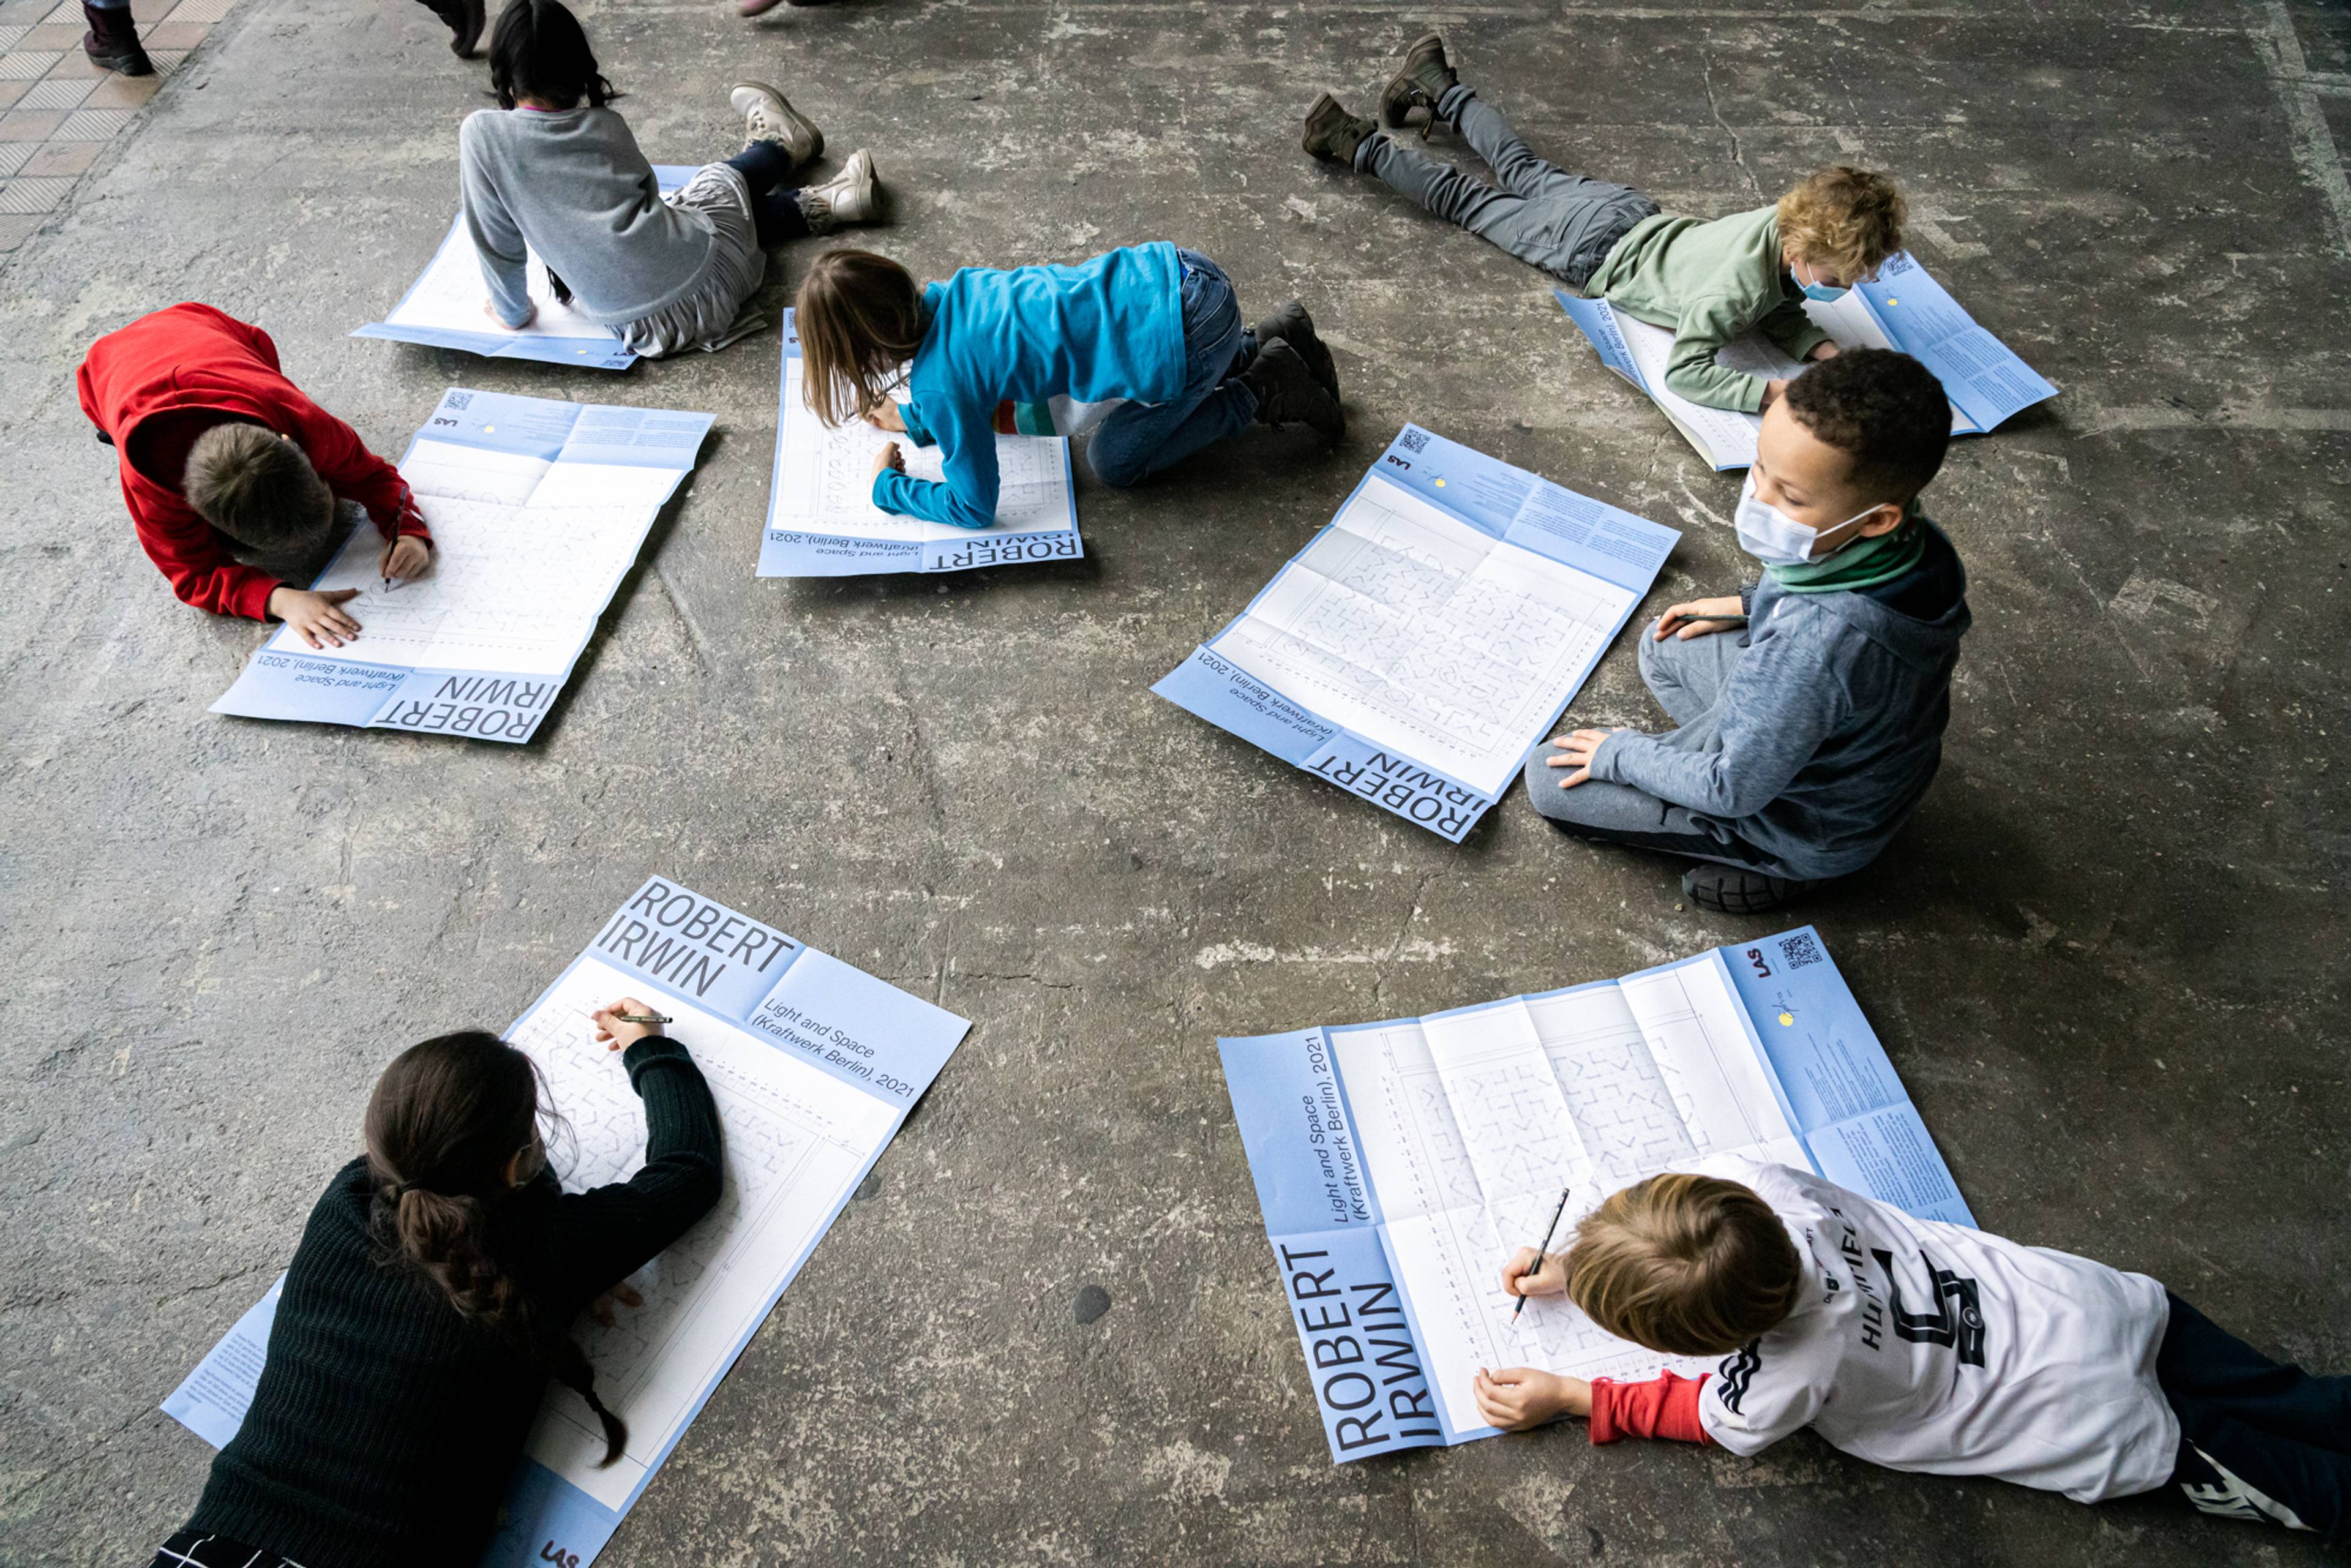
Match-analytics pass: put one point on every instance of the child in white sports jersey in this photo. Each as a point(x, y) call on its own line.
point(1924, 1346)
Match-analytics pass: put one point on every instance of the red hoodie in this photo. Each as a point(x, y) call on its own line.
point(193, 359)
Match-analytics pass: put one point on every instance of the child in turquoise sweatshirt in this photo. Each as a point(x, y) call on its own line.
point(1155, 329)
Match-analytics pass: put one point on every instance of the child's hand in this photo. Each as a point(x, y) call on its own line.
point(1822, 351)
point(318, 617)
point(623, 1295)
point(614, 1035)
point(490, 308)
point(1772, 391)
point(889, 457)
point(404, 558)
point(1518, 1397)
point(886, 417)
point(1576, 751)
point(1529, 1273)
point(1687, 618)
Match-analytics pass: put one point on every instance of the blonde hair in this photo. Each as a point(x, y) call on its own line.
point(1844, 218)
point(1690, 1265)
point(257, 488)
point(860, 320)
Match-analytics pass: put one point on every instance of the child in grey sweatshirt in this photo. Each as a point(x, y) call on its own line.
point(1812, 705)
point(555, 172)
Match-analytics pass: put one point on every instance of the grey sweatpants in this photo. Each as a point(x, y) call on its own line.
point(1687, 679)
point(1565, 223)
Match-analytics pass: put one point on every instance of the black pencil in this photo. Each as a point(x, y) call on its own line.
point(1549, 1231)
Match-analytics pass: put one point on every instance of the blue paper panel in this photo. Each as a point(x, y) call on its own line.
point(783, 553)
point(1295, 1127)
point(500, 422)
point(283, 685)
point(547, 1523)
point(1213, 689)
point(860, 1030)
point(975, 551)
point(1979, 372)
point(716, 957)
point(1598, 324)
point(476, 704)
point(1370, 1385)
point(1393, 782)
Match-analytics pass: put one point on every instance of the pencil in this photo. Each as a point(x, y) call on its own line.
point(643, 1018)
point(1726, 620)
point(1549, 1231)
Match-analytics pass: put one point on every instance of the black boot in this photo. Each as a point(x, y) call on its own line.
point(112, 41)
point(1333, 133)
point(1288, 393)
point(1424, 79)
point(465, 19)
point(1734, 890)
point(1293, 325)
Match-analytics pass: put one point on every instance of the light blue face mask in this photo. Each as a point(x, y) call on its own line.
point(1823, 293)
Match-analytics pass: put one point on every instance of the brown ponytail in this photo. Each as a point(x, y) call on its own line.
point(445, 1121)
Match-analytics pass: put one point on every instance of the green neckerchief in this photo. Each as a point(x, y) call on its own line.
point(1865, 563)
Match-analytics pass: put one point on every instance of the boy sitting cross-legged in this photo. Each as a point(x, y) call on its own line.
point(1812, 703)
point(219, 453)
point(1924, 1346)
point(1710, 280)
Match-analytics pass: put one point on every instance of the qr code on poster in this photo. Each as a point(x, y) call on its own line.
point(1799, 950)
point(458, 402)
point(1413, 440)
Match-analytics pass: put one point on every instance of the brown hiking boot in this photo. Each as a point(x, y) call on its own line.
point(1331, 133)
point(1422, 83)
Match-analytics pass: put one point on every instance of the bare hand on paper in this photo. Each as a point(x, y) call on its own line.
point(1530, 1273)
point(1575, 751)
point(405, 557)
point(1518, 1397)
point(613, 1034)
point(1688, 618)
point(318, 618)
point(889, 457)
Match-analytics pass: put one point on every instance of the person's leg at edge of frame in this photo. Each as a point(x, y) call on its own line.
point(1618, 813)
point(2229, 1466)
point(1138, 439)
point(112, 41)
point(2258, 1435)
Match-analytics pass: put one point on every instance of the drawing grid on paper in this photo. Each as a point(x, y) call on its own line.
point(827, 479)
point(1438, 648)
point(775, 1148)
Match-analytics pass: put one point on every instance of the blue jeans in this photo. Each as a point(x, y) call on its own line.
point(1139, 439)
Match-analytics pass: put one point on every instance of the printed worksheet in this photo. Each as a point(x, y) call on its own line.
point(444, 307)
point(822, 522)
point(1419, 645)
point(1401, 1164)
point(537, 509)
point(1902, 308)
point(813, 1065)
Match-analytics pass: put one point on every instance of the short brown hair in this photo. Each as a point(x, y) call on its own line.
point(860, 320)
point(257, 488)
point(1844, 217)
point(1690, 1265)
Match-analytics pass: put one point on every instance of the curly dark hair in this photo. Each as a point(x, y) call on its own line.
point(1884, 409)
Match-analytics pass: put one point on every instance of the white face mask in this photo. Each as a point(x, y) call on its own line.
point(1774, 538)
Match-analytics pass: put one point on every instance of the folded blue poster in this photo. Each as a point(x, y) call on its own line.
point(822, 522)
point(537, 509)
point(1417, 646)
point(1401, 1164)
point(1903, 308)
point(443, 309)
point(813, 1063)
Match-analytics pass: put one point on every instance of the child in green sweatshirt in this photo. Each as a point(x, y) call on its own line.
point(1710, 280)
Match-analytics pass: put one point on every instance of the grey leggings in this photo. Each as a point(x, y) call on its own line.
point(1687, 679)
point(1565, 223)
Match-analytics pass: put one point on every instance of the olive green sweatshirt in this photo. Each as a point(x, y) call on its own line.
point(1710, 280)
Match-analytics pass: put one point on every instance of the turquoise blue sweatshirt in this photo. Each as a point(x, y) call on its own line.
point(1113, 328)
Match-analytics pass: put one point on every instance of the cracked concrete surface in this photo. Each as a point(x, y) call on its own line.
point(2105, 957)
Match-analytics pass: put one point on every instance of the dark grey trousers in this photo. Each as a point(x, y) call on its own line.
point(1565, 223)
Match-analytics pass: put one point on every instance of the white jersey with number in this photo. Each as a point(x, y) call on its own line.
point(1924, 1346)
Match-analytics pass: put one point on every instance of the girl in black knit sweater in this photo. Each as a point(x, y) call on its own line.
point(431, 1300)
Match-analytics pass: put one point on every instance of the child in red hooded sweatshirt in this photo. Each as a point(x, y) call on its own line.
point(218, 449)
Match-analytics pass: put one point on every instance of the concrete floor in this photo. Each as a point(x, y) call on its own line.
point(2105, 957)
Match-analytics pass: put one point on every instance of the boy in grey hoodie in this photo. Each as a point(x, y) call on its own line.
point(1812, 705)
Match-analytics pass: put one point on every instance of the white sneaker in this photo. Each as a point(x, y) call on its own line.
point(767, 116)
point(851, 196)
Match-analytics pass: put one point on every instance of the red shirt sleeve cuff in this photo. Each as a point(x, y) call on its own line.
point(1663, 1406)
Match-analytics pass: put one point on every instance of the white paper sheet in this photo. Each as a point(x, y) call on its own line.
point(526, 554)
point(1481, 1116)
point(1423, 634)
point(825, 481)
point(453, 296)
point(795, 1142)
